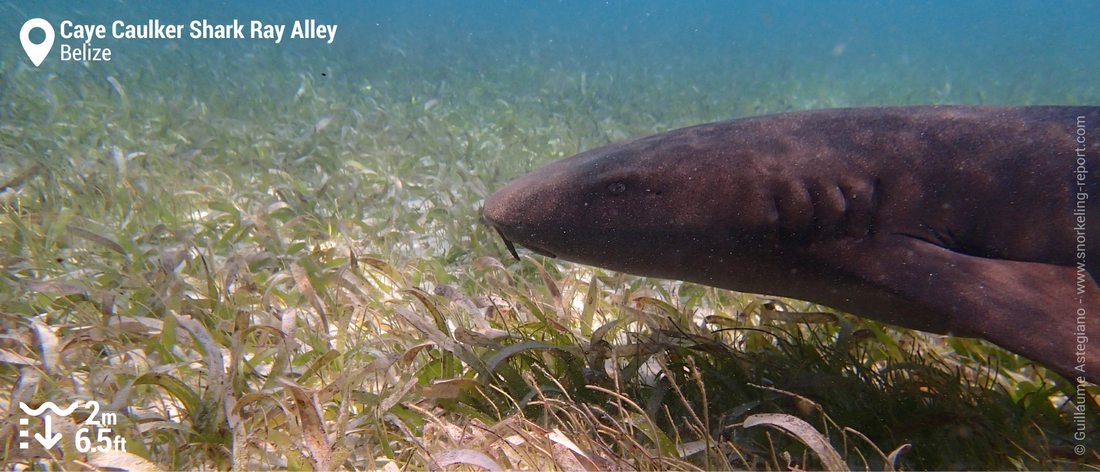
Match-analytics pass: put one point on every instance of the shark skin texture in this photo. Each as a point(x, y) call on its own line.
point(962, 220)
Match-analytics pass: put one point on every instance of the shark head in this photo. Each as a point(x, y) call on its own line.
point(651, 206)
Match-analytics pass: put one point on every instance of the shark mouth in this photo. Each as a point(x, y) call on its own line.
point(512, 247)
point(508, 242)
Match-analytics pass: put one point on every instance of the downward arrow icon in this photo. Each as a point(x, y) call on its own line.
point(50, 439)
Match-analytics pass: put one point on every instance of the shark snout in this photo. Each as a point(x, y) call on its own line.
point(495, 213)
point(500, 213)
point(503, 212)
point(510, 212)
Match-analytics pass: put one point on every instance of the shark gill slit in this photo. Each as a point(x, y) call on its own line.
point(872, 209)
point(845, 209)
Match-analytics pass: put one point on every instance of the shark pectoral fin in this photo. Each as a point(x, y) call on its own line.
point(1029, 308)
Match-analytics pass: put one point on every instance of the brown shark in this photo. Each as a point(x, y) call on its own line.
point(972, 221)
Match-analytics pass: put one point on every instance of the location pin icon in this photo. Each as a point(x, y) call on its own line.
point(37, 52)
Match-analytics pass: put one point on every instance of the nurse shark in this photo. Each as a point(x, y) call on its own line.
point(966, 220)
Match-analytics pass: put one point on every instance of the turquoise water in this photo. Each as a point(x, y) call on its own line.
point(813, 53)
point(648, 65)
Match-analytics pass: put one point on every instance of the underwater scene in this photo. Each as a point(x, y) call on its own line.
point(281, 235)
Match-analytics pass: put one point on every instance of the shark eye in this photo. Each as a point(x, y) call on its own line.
point(616, 188)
